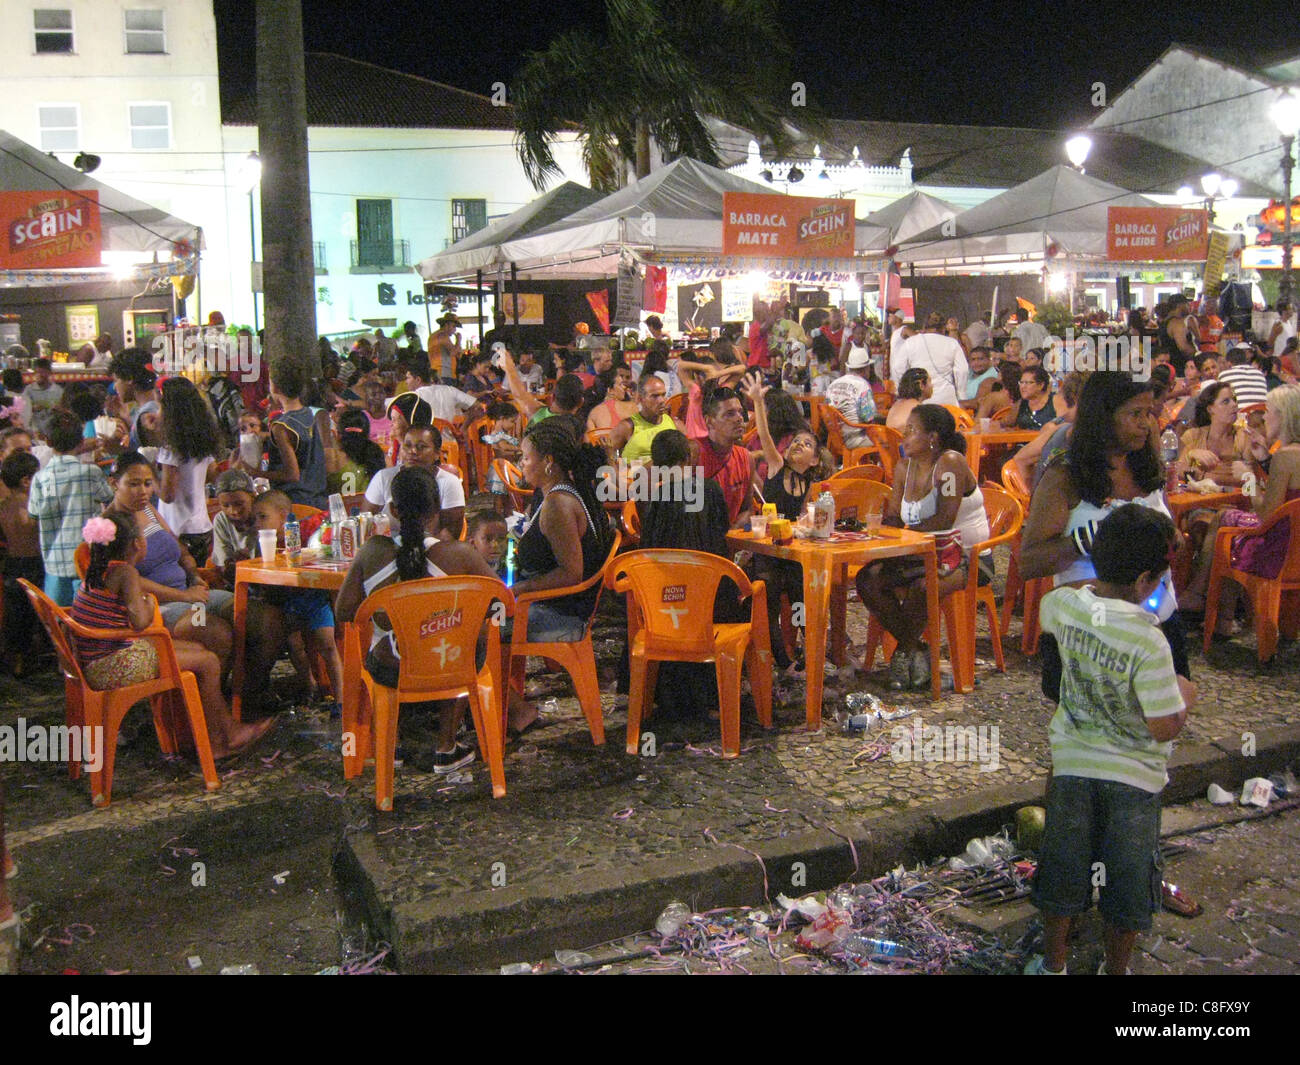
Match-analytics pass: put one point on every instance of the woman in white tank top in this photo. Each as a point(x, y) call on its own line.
point(383, 560)
point(935, 492)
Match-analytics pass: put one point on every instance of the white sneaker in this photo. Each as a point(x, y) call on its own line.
point(1037, 967)
point(1101, 969)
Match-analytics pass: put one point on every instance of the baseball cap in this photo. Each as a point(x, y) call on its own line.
point(235, 481)
point(858, 358)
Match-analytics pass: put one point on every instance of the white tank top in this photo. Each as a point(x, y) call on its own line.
point(380, 577)
point(971, 523)
point(1288, 331)
point(1162, 603)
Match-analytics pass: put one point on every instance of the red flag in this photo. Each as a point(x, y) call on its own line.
point(600, 306)
point(655, 299)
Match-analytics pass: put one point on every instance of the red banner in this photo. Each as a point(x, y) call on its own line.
point(655, 298)
point(1157, 234)
point(786, 227)
point(44, 230)
point(600, 307)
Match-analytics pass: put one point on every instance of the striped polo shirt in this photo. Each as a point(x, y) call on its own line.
point(1248, 384)
point(1116, 674)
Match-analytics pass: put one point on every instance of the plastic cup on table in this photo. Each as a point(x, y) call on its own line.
point(266, 544)
point(758, 525)
point(986, 425)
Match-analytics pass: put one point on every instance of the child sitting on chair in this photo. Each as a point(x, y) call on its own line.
point(111, 597)
point(307, 611)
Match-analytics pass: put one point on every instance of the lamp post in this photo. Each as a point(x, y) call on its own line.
point(1077, 149)
point(250, 172)
point(1286, 116)
point(1210, 184)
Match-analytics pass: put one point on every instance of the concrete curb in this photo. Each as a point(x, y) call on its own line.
point(475, 932)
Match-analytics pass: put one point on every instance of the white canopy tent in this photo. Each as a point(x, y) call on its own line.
point(1060, 207)
point(482, 251)
point(127, 224)
point(673, 215)
point(907, 216)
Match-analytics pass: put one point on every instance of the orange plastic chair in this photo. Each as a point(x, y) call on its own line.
point(889, 441)
point(677, 406)
point(578, 659)
point(511, 476)
point(959, 607)
point(998, 415)
point(436, 622)
point(861, 473)
point(855, 497)
point(885, 398)
point(836, 423)
point(1017, 588)
point(1265, 595)
point(599, 437)
point(629, 520)
point(670, 619)
point(103, 711)
point(964, 418)
point(480, 454)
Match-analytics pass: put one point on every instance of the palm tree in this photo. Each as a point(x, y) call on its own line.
point(660, 67)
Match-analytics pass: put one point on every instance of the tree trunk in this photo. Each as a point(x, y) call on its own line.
point(288, 271)
point(642, 149)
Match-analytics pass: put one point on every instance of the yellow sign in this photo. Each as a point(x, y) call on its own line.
point(1215, 260)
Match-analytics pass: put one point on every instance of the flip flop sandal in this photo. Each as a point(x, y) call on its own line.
point(9, 922)
point(1176, 901)
point(12, 872)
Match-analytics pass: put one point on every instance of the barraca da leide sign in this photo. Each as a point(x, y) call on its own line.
point(48, 229)
point(1157, 234)
point(786, 227)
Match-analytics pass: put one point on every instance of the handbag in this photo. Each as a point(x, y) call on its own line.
point(948, 551)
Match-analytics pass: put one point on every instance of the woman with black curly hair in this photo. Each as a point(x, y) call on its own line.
point(186, 463)
point(1113, 459)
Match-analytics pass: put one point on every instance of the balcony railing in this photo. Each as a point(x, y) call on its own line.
point(371, 254)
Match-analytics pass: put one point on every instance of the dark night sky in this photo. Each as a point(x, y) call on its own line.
point(1025, 64)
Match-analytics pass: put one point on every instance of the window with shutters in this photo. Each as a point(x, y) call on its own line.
point(53, 30)
point(60, 127)
point(467, 216)
point(144, 31)
point(374, 243)
point(151, 126)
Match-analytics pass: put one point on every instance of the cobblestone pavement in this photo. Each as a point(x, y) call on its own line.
point(571, 808)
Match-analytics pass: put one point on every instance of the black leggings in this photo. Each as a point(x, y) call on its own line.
point(781, 576)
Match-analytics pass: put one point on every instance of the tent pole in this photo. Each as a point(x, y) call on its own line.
point(478, 292)
point(514, 287)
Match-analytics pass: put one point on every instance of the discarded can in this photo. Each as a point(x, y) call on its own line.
point(1257, 791)
point(519, 968)
point(675, 917)
point(897, 713)
point(861, 722)
point(862, 702)
point(240, 970)
point(858, 946)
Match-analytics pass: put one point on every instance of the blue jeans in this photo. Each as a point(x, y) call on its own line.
point(62, 589)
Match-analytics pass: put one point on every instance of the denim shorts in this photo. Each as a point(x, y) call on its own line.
point(220, 602)
point(1106, 834)
point(548, 625)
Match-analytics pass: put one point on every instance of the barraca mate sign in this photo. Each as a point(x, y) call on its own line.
point(1157, 234)
point(786, 227)
point(48, 229)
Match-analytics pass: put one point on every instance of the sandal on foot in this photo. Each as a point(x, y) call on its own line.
point(1173, 898)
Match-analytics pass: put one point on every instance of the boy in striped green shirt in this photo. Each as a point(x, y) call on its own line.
point(1121, 704)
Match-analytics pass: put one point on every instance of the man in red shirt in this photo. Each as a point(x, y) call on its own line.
point(721, 456)
point(759, 328)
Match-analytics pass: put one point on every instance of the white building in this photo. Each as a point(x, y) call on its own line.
point(400, 165)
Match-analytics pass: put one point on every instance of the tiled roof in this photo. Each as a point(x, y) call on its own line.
point(350, 92)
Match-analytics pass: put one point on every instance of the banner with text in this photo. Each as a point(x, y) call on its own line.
point(786, 227)
point(50, 229)
point(1156, 234)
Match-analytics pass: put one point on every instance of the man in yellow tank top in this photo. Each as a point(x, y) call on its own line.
point(632, 436)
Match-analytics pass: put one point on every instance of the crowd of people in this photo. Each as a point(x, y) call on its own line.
point(143, 496)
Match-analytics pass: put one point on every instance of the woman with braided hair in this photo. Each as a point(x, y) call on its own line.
point(412, 553)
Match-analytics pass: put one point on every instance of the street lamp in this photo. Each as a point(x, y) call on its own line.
point(250, 173)
point(1077, 149)
point(1286, 116)
point(1211, 183)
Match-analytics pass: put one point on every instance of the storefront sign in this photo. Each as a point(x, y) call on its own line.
point(530, 308)
point(1261, 256)
point(737, 301)
point(47, 230)
point(1156, 234)
point(790, 227)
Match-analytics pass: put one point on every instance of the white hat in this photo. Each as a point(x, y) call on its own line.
point(858, 358)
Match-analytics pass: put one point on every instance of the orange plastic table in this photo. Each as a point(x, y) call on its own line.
point(825, 578)
point(328, 576)
point(977, 441)
point(1181, 503)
